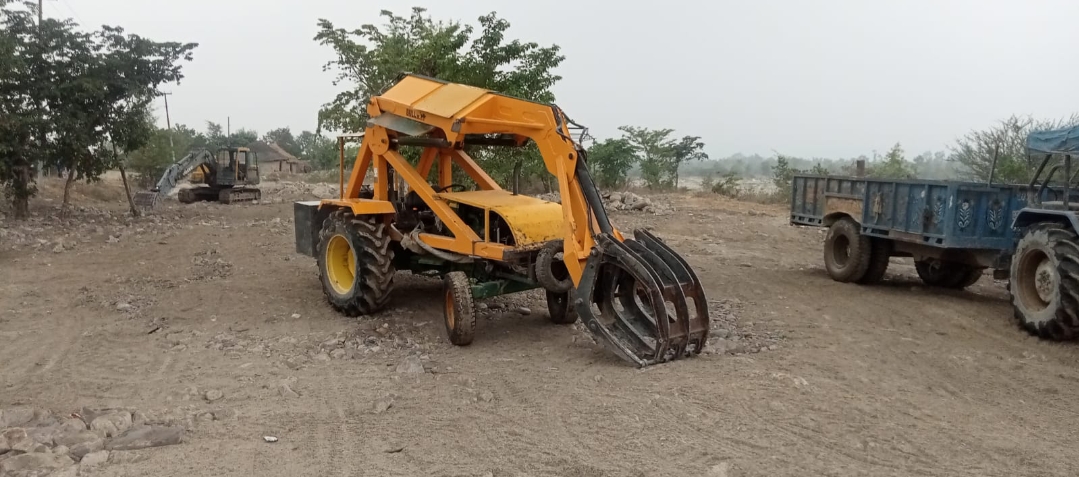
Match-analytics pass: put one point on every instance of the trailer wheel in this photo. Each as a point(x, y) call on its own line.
point(560, 306)
point(973, 275)
point(942, 274)
point(355, 263)
point(846, 251)
point(878, 261)
point(459, 309)
point(1045, 282)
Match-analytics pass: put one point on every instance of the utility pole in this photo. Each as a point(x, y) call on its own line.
point(40, 39)
point(168, 124)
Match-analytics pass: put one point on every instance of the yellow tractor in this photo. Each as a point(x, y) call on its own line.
point(636, 296)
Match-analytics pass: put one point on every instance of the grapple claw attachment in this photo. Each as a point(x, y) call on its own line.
point(642, 300)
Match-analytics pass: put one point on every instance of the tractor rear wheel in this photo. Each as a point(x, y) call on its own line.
point(459, 308)
point(1045, 282)
point(355, 263)
point(846, 251)
point(560, 306)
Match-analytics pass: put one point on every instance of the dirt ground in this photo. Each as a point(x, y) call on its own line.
point(808, 377)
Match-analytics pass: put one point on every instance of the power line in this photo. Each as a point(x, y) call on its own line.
point(73, 12)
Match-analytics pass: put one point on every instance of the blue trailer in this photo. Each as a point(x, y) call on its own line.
point(954, 231)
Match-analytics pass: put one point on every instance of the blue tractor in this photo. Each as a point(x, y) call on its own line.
point(954, 231)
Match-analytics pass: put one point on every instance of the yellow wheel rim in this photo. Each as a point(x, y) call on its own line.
point(449, 308)
point(340, 264)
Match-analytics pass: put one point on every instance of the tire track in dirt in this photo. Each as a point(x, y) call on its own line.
point(68, 340)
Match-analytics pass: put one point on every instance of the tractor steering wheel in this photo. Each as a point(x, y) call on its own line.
point(452, 186)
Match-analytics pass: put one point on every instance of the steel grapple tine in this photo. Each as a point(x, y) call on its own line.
point(643, 314)
point(690, 284)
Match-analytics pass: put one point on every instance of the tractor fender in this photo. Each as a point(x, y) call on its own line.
point(1030, 216)
point(308, 217)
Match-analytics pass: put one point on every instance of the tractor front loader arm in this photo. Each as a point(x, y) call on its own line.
point(636, 295)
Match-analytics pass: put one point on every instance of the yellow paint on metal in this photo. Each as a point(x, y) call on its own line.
point(410, 90)
point(530, 219)
point(340, 264)
point(449, 99)
point(362, 206)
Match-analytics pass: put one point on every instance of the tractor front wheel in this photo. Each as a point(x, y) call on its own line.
point(846, 251)
point(560, 306)
point(459, 309)
point(1045, 282)
point(355, 263)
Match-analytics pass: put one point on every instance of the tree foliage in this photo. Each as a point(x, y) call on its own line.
point(73, 98)
point(660, 156)
point(370, 57)
point(610, 162)
point(893, 166)
point(1007, 142)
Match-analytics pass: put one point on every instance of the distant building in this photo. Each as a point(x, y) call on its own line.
point(272, 158)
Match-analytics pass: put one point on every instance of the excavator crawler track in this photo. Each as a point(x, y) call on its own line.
point(642, 300)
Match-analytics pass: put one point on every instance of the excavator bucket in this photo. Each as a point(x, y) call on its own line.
point(642, 301)
point(145, 199)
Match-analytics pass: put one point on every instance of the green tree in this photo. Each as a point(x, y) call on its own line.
point(372, 56)
point(783, 175)
point(893, 166)
point(653, 148)
point(283, 137)
point(73, 97)
point(1007, 142)
point(610, 162)
point(689, 148)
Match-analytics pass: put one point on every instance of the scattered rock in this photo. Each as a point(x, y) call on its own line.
point(383, 405)
point(94, 458)
point(333, 343)
point(394, 449)
point(15, 417)
point(410, 365)
point(214, 395)
point(147, 436)
point(322, 357)
point(223, 414)
point(111, 425)
point(80, 443)
point(34, 465)
point(127, 457)
point(721, 469)
point(481, 306)
point(15, 439)
point(295, 316)
point(487, 396)
point(524, 310)
point(287, 392)
point(61, 450)
point(59, 248)
point(338, 353)
point(123, 306)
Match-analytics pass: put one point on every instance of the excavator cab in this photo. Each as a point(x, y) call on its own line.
point(636, 295)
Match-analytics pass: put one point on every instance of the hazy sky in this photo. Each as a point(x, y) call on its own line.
point(830, 78)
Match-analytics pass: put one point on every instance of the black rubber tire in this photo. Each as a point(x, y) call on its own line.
point(972, 276)
point(1057, 249)
point(551, 272)
point(943, 274)
point(372, 283)
point(851, 265)
point(879, 258)
point(560, 306)
point(459, 310)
